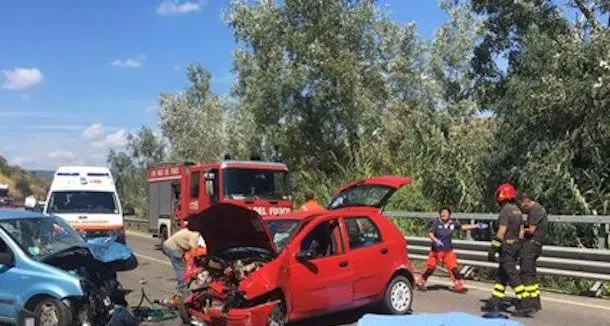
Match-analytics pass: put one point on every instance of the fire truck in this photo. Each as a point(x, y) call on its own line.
point(178, 190)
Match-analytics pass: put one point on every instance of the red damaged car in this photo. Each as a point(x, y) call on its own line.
point(299, 265)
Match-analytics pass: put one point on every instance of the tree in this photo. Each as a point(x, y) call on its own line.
point(310, 75)
point(193, 121)
point(23, 187)
point(129, 169)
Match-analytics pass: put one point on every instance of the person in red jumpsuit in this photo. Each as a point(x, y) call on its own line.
point(441, 231)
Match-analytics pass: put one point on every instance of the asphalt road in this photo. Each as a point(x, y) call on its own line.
point(156, 274)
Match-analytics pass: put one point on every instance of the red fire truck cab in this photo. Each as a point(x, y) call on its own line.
point(176, 191)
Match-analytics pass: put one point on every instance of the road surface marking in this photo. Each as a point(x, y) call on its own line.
point(164, 262)
point(139, 234)
point(566, 302)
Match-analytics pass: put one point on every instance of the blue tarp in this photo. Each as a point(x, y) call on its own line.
point(444, 319)
point(106, 249)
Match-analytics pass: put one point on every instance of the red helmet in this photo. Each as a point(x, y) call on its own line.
point(504, 192)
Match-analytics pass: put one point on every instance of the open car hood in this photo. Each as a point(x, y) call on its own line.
point(372, 192)
point(224, 226)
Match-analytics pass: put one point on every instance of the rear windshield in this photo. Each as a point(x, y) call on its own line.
point(92, 202)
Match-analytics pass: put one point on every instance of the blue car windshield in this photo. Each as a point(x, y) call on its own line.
point(42, 237)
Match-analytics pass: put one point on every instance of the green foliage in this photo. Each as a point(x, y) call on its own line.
point(23, 186)
point(343, 92)
point(143, 151)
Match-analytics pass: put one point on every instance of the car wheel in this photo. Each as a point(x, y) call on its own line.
point(52, 312)
point(277, 317)
point(398, 296)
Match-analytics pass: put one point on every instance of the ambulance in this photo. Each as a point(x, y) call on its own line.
point(86, 197)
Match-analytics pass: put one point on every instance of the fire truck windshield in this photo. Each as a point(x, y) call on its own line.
point(101, 202)
point(263, 184)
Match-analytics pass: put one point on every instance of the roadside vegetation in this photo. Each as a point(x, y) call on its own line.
point(505, 91)
point(22, 183)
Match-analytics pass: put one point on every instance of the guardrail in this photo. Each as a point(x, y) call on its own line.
point(582, 263)
point(603, 221)
point(136, 223)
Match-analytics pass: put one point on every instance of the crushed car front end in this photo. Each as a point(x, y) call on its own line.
point(239, 280)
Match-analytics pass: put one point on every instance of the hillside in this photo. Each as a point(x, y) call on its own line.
point(21, 182)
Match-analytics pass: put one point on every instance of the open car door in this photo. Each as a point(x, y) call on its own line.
point(372, 192)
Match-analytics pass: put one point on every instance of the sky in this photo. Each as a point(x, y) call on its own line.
point(76, 77)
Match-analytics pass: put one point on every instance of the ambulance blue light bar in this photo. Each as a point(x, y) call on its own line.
point(102, 174)
point(68, 174)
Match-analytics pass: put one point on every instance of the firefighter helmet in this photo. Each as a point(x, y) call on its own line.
point(504, 192)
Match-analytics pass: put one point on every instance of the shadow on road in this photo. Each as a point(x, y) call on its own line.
point(336, 319)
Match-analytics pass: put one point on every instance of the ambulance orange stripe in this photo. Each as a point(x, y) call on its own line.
point(93, 227)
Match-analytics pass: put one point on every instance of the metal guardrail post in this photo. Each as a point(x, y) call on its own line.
point(602, 236)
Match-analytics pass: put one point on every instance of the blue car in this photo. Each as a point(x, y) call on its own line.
point(50, 276)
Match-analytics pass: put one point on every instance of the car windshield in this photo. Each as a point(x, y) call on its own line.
point(101, 202)
point(371, 195)
point(3, 192)
point(264, 184)
point(42, 237)
point(282, 231)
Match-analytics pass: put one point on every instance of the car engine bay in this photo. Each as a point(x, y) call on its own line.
point(213, 281)
point(102, 291)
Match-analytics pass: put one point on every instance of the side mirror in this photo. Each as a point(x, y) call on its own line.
point(7, 259)
point(128, 211)
point(305, 255)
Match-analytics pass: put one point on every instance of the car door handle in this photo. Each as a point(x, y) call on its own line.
point(343, 264)
point(384, 251)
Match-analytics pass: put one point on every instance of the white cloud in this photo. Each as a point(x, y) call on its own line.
point(48, 149)
point(21, 78)
point(174, 7)
point(129, 63)
point(95, 133)
point(97, 136)
point(22, 160)
point(117, 139)
point(61, 155)
point(49, 127)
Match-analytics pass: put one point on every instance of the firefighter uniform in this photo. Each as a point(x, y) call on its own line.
point(508, 251)
point(531, 250)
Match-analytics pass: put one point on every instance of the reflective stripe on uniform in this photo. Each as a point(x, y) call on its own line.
point(498, 294)
point(499, 287)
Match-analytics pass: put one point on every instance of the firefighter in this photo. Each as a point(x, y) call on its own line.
point(534, 236)
point(311, 205)
point(441, 232)
point(505, 251)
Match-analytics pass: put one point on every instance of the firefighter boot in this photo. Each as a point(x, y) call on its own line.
point(524, 307)
point(535, 295)
point(491, 307)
